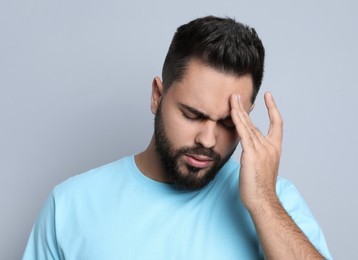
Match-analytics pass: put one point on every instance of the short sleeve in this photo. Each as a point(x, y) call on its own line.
point(297, 208)
point(42, 243)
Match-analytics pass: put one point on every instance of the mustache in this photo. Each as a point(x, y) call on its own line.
point(200, 151)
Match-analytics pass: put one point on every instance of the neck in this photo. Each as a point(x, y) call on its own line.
point(149, 163)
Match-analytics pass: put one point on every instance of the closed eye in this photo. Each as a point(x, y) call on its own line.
point(192, 117)
point(193, 114)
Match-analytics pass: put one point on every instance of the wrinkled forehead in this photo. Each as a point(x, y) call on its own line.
point(209, 90)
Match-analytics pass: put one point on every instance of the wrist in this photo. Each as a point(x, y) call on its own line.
point(266, 203)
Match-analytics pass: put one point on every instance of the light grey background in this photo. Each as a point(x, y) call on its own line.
point(75, 80)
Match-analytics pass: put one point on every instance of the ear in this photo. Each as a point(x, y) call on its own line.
point(157, 93)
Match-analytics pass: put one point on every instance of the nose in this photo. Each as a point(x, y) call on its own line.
point(206, 137)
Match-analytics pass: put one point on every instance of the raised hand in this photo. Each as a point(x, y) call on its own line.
point(260, 154)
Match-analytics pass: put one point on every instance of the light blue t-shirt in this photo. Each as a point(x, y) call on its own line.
point(116, 212)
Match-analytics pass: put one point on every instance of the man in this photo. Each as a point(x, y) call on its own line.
point(183, 197)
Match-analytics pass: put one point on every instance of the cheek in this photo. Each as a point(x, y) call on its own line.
point(227, 141)
point(179, 130)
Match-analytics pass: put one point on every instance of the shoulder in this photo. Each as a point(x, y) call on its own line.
point(291, 199)
point(297, 208)
point(288, 195)
point(95, 178)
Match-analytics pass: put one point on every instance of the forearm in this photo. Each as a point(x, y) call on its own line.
point(260, 157)
point(280, 237)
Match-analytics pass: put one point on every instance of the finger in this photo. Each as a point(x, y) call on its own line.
point(275, 131)
point(247, 132)
point(238, 119)
point(254, 131)
point(242, 131)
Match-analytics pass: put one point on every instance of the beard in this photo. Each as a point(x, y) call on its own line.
point(183, 175)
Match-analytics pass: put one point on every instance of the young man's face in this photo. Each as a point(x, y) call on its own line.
point(193, 129)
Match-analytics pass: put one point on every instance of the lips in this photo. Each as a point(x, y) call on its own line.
point(198, 161)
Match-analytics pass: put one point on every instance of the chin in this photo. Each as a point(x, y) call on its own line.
point(192, 178)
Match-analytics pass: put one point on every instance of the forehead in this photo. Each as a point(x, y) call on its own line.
point(209, 90)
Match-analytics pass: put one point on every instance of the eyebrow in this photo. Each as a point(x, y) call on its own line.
point(201, 114)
